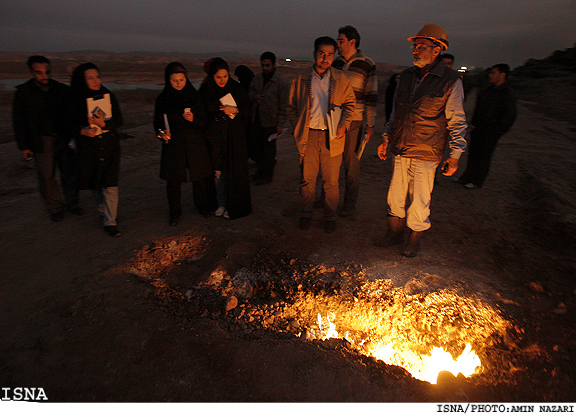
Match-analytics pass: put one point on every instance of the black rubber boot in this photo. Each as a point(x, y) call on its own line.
point(395, 233)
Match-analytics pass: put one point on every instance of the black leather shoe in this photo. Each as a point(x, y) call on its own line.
point(57, 216)
point(112, 231)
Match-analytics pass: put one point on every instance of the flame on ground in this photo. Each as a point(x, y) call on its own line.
point(428, 367)
point(423, 367)
point(420, 326)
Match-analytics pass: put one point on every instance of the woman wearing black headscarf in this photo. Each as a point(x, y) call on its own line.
point(226, 135)
point(179, 118)
point(96, 117)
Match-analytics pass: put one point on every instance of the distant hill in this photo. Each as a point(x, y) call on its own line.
point(550, 84)
point(81, 54)
point(560, 63)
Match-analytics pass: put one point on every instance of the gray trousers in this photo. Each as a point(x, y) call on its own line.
point(107, 200)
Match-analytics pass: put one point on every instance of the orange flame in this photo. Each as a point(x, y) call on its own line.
point(423, 367)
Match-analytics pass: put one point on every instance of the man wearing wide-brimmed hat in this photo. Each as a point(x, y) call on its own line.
point(428, 113)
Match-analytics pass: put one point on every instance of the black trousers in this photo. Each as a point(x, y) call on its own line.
point(482, 146)
point(203, 194)
point(264, 152)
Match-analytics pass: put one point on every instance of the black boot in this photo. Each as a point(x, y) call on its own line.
point(413, 246)
point(395, 233)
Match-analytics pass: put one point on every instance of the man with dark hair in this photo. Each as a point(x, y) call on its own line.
point(269, 92)
point(320, 110)
point(361, 71)
point(42, 130)
point(448, 59)
point(428, 109)
point(494, 115)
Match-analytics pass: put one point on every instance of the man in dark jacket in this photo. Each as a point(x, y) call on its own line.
point(494, 115)
point(428, 110)
point(268, 92)
point(42, 130)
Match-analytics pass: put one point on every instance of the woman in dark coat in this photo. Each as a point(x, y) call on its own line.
point(226, 134)
point(96, 117)
point(185, 153)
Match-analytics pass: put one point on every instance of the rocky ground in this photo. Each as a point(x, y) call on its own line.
point(217, 310)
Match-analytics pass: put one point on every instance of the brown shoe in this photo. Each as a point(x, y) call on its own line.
point(413, 246)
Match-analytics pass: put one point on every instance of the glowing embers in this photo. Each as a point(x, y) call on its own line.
point(426, 333)
point(421, 326)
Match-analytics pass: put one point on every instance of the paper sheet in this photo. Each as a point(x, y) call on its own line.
point(228, 99)
point(333, 120)
point(100, 106)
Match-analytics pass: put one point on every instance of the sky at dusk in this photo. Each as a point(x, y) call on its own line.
point(481, 32)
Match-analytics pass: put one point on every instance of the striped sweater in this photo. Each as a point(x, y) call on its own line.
point(361, 71)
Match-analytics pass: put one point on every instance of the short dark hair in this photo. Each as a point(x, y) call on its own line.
point(324, 40)
point(503, 68)
point(447, 56)
point(351, 33)
point(268, 55)
point(37, 59)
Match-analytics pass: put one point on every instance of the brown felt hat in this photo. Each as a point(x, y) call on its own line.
point(433, 32)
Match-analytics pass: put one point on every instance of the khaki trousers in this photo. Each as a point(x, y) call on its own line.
point(410, 191)
point(317, 159)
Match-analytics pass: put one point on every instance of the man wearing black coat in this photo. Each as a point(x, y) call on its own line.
point(42, 130)
point(494, 115)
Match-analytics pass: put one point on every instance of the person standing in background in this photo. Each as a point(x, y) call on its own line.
point(42, 130)
point(448, 59)
point(361, 71)
point(179, 119)
point(227, 107)
point(268, 92)
point(494, 115)
point(96, 117)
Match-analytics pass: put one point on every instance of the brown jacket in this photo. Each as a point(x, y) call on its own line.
point(420, 129)
point(299, 104)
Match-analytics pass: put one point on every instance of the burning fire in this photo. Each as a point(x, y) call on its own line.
point(423, 367)
point(429, 367)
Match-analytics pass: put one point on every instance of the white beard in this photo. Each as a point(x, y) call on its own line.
point(419, 62)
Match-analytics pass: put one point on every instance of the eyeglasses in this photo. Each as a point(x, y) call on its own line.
point(421, 46)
